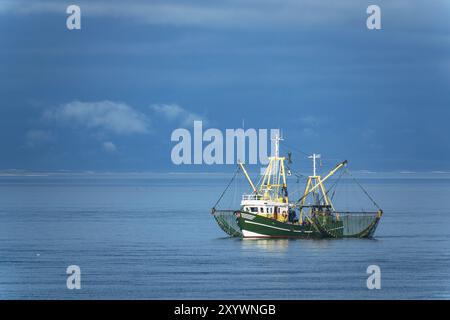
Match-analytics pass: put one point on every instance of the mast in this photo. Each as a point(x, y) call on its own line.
point(273, 185)
point(314, 156)
point(277, 140)
point(314, 178)
point(274, 178)
point(276, 166)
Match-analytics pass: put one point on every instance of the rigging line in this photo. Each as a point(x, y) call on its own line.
point(299, 176)
point(296, 173)
point(364, 190)
point(335, 156)
point(234, 198)
point(306, 195)
point(295, 149)
point(333, 185)
point(223, 193)
point(332, 195)
point(261, 176)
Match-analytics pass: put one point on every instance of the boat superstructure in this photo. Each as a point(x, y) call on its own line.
point(269, 199)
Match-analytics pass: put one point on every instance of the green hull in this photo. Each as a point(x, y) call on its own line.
point(255, 226)
point(250, 225)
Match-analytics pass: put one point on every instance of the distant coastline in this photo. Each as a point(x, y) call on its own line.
point(365, 174)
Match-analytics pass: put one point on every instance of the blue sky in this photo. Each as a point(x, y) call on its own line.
point(108, 96)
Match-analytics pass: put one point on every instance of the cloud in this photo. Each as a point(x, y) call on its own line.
point(115, 117)
point(31, 7)
point(311, 121)
point(174, 112)
point(239, 14)
point(37, 138)
point(108, 146)
point(226, 13)
point(311, 125)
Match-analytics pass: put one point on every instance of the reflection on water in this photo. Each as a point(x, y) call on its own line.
point(278, 245)
point(281, 245)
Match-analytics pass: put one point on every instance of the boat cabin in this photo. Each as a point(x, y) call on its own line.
point(268, 208)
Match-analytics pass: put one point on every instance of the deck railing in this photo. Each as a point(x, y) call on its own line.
point(252, 197)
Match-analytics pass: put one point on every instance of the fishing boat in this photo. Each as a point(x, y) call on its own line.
point(268, 212)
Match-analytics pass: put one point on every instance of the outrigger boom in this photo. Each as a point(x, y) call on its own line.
point(247, 176)
point(315, 182)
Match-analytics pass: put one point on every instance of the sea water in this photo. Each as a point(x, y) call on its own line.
point(151, 236)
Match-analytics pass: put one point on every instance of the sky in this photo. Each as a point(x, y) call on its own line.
point(107, 97)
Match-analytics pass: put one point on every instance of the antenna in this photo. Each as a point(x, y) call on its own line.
point(277, 140)
point(314, 157)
